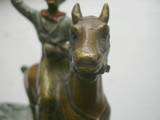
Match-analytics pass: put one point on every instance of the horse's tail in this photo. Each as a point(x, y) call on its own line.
point(24, 69)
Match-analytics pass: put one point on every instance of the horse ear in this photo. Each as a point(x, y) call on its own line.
point(105, 13)
point(76, 13)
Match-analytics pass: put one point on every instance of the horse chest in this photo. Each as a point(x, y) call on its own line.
point(70, 112)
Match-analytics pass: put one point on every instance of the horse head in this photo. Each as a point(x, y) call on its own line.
point(90, 41)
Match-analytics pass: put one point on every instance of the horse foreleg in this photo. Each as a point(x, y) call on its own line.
point(30, 86)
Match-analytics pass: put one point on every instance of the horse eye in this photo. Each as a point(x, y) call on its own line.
point(74, 29)
point(74, 37)
point(107, 32)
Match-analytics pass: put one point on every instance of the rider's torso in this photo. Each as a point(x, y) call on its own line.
point(52, 32)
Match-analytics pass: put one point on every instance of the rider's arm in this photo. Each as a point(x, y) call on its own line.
point(25, 9)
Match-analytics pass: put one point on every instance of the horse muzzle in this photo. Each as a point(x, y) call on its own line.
point(86, 62)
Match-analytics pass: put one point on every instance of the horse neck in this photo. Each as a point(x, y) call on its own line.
point(54, 68)
point(87, 93)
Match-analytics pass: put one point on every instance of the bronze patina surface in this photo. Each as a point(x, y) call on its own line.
point(84, 98)
point(42, 80)
point(67, 83)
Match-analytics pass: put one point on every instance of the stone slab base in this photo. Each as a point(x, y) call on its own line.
point(15, 112)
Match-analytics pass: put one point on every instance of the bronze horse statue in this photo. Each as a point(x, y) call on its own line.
point(89, 53)
point(78, 94)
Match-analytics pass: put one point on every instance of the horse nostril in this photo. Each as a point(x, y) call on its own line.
point(88, 59)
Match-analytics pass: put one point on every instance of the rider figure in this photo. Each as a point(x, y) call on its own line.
point(52, 27)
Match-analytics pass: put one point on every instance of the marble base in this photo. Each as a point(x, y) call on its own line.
point(15, 112)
